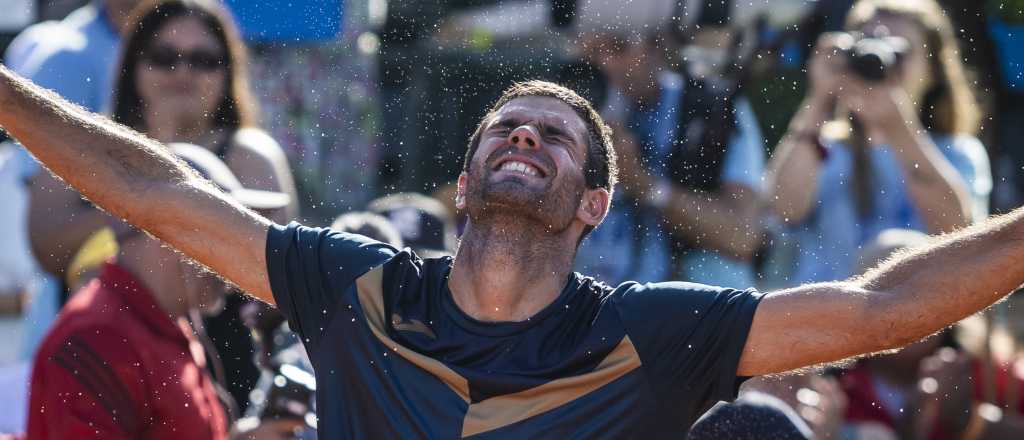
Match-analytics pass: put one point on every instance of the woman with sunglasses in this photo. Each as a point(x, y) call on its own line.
point(182, 78)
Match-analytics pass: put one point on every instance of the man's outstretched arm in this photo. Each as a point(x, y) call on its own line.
point(912, 295)
point(140, 180)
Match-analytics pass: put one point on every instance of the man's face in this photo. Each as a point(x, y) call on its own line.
point(529, 162)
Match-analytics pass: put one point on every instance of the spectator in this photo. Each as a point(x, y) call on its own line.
point(890, 164)
point(121, 361)
point(165, 103)
point(369, 224)
point(424, 223)
point(17, 268)
point(16, 264)
point(74, 57)
point(925, 390)
point(183, 78)
point(692, 160)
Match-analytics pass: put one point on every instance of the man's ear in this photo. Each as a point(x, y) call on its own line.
point(460, 192)
point(594, 206)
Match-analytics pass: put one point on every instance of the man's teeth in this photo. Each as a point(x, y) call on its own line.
point(519, 167)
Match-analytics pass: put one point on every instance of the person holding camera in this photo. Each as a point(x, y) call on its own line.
point(691, 157)
point(885, 139)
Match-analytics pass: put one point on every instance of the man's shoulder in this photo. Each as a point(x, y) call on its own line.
point(670, 298)
point(328, 242)
point(633, 288)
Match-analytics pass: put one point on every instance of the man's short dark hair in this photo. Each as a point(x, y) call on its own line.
point(600, 169)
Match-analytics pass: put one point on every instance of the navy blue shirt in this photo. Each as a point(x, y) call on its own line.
point(396, 358)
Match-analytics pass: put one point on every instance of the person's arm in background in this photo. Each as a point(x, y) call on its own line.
point(59, 222)
point(260, 163)
point(792, 175)
point(915, 294)
point(936, 189)
point(970, 159)
point(725, 221)
point(139, 180)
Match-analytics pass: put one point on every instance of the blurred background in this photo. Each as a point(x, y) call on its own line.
point(748, 149)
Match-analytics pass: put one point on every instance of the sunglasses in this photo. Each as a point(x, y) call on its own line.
point(167, 58)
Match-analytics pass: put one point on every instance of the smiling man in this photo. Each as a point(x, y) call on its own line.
point(504, 340)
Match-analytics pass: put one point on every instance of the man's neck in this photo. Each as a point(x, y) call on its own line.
point(509, 273)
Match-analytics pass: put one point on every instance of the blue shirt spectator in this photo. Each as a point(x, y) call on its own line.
point(831, 236)
point(75, 57)
point(631, 244)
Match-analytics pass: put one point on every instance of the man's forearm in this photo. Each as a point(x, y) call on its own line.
point(923, 290)
point(108, 163)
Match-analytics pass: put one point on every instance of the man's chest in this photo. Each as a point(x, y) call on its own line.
point(414, 376)
point(390, 392)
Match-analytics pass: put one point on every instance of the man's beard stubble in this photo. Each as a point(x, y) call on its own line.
point(514, 203)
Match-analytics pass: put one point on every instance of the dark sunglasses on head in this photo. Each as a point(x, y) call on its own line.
point(167, 58)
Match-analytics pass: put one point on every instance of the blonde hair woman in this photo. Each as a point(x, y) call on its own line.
point(861, 156)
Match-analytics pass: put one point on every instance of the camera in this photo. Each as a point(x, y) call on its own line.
point(872, 57)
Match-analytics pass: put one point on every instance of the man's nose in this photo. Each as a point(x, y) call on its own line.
point(525, 137)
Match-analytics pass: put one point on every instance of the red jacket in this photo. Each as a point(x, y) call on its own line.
point(864, 404)
point(116, 366)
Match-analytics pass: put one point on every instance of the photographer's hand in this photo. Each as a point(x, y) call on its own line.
point(890, 118)
point(826, 67)
point(792, 173)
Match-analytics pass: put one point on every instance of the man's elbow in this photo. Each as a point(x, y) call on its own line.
point(889, 322)
point(155, 205)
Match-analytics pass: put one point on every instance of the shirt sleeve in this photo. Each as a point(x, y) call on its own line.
point(310, 268)
point(689, 338)
point(90, 386)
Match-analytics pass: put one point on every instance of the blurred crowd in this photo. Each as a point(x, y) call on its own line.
point(763, 143)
